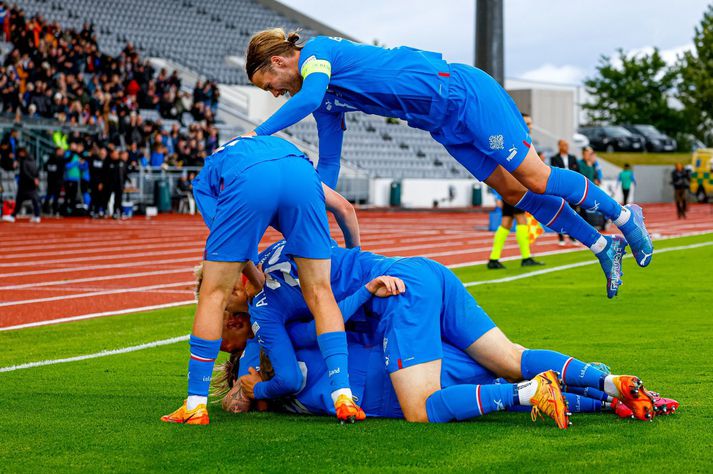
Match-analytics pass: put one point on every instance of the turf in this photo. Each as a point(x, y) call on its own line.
point(102, 414)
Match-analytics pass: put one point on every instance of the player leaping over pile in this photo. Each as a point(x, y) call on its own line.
point(462, 107)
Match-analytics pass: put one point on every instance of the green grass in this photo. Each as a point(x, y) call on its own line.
point(620, 158)
point(102, 414)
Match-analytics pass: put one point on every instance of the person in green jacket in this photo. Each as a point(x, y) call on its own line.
point(626, 178)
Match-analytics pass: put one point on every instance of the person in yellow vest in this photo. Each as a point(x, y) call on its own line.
point(522, 230)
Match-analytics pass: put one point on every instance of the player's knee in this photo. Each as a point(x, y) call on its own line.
point(416, 414)
point(513, 196)
point(535, 184)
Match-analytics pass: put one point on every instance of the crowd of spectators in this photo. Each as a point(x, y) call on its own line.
point(62, 76)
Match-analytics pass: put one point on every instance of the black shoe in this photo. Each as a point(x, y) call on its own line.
point(495, 265)
point(530, 262)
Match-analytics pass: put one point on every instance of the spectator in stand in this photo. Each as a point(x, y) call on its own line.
point(626, 179)
point(84, 177)
point(27, 185)
point(681, 182)
point(55, 176)
point(185, 191)
point(137, 158)
point(97, 181)
point(158, 153)
point(116, 169)
point(72, 176)
point(563, 159)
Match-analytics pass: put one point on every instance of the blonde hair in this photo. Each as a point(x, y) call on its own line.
point(268, 43)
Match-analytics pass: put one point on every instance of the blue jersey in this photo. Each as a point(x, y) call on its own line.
point(399, 82)
point(281, 302)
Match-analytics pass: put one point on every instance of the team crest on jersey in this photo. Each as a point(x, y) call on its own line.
point(497, 142)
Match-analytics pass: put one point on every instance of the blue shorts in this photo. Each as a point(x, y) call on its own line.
point(435, 308)
point(483, 126)
point(286, 194)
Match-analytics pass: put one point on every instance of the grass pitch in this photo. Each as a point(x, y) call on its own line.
point(103, 414)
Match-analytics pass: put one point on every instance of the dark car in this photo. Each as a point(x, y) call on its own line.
point(655, 140)
point(612, 138)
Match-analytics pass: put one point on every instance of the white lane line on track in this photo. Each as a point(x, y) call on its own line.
point(124, 350)
point(93, 279)
point(184, 338)
point(97, 315)
point(108, 257)
point(96, 293)
point(84, 268)
point(574, 265)
point(90, 253)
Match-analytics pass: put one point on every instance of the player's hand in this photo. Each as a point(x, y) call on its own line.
point(248, 381)
point(235, 400)
point(249, 134)
point(385, 285)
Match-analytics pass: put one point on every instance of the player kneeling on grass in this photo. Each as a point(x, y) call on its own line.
point(247, 185)
point(434, 306)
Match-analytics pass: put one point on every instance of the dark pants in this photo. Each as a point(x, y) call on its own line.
point(681, 203)
point(54, 187)
point(98, 202)
point(25, 195)
point(118, 193)
point(71, 188)
point(626, 195)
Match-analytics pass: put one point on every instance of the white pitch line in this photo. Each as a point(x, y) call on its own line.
point(575, 265)
point(96, 315)
point(96, 293)
point(124, 350)
point(93, 279)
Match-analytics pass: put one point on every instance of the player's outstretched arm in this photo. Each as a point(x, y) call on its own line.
point(345, 215)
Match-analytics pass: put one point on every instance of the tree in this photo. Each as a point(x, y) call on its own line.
point(696, 80)
point(633, 89)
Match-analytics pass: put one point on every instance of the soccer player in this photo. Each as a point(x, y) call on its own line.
point(431, 305)
point(462, 107)
point(245, 186)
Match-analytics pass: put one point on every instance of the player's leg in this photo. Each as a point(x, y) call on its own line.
point(499, 238)
point(577, 189)
point(303, 220)
point(237, 219)
point(554, 212)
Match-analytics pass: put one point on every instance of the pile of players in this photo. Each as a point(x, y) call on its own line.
point(327, 330)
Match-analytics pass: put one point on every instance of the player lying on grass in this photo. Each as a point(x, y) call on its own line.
point(245, 186)
point(370, 380)
point(462, 107)
point(431, 306)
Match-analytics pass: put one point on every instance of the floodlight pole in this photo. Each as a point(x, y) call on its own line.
point(489, 38)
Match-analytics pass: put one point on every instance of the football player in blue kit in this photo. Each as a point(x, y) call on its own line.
point(245, 186)
point(462, 107)
point(430, 306)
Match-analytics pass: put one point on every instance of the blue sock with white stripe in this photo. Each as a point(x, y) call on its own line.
point(200, 368)
point(462, 402)
point(575, 403)
point(580, 191)
point(333, 346)
point(574, 372)
point(590, 392)
point(555, 213)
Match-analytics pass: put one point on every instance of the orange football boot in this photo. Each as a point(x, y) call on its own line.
point(347, 410)
point(197, 416)
point(633, 394)
point(548, 399)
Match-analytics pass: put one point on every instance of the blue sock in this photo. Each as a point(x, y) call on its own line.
point(553, 212)
point(572, 371)
point(589, 392)
point(462, 402)
point(580, 191)
point(580, 404)
point(200, 365)
point(333, 346)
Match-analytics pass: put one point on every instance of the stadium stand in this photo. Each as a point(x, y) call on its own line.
point(209, 39)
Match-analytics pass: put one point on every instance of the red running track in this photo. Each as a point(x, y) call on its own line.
point(68, 268)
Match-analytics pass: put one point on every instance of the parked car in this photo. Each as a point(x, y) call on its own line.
point(655, 141)
point(612, 138)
